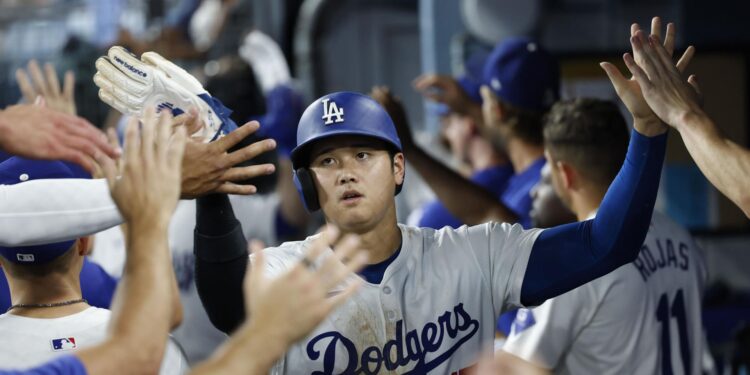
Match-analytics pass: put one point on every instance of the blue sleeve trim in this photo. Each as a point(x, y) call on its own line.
point(567, 256)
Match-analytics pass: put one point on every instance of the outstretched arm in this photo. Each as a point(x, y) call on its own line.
point(469, 202)
point(220, 261)
point(676, 101)
point(567, 256)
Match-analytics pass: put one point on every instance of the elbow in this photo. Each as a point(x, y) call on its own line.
point(142, 356)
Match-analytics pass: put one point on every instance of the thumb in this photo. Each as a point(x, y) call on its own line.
point(618, 80)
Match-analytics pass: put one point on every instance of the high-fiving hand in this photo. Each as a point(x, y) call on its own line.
point(630, 90)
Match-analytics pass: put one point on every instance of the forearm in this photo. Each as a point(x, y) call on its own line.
point(468, 201)
point(53, 210)
point(220, 262)
point(725, 163)
point(570, 255)
point(250, 351)
point(140, 319)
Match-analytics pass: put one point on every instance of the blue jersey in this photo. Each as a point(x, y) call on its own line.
point(494, 179)
point(65, 365)
point(97, 286)
point(517, 194)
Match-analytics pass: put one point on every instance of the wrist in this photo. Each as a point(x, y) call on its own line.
point(649, 127)
point(692, 120)
point(274, 345)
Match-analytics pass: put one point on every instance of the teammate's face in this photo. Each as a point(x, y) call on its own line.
point(355, 178)
point(546, 208)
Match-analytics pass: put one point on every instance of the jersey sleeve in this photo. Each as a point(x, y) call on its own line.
point(64, 365)
point(54, 210)
point(542, 335)
point(502, 251)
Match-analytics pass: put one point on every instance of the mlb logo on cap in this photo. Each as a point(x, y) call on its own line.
point(65, 343)
point(17, 170)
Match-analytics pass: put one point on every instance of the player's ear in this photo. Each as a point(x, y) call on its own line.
point(84, 245)
point(567, 174)
point(399, 168)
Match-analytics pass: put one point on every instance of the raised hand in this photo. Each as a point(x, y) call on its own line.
point(47, 85)
point(293, 304)
point(395, 109)
point(444, 89)
point(210, 168)
point(38, 132)
point(629, 90)
point(148, 185)
point(668, 95)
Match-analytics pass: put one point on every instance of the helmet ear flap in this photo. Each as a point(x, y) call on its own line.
point(303, 180)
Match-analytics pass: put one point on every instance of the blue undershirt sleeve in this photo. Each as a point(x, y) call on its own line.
point(567, 256)
point(64, 365)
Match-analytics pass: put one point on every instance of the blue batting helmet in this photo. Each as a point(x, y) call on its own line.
point(340, 113)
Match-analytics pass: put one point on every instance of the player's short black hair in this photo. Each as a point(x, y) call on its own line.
point(524, 124)
point(590, 134)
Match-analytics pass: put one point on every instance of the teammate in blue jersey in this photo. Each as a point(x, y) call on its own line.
point(487, 166)
point(522, 80)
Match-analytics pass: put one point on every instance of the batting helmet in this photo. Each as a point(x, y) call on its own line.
point(337, 114)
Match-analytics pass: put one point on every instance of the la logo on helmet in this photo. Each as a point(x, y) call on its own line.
point(331, 110)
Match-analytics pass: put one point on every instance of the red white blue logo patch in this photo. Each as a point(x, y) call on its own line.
point(65, 343)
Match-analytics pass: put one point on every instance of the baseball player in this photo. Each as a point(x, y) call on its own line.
point(649, 311)
point(523, 80)
point(49, 315)
point(137, 330)
point(430, 297)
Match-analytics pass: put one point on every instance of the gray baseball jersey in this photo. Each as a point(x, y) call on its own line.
point(30, 342)
point(434, 311)
point(643, 318)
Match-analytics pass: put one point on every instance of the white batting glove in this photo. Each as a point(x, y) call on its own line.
point(131, 85)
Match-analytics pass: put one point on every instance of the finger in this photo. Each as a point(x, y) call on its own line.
point(338, 299)
point(109, 168)
point(669, 40)
point(132, 143)
point(685, 59)
point(69, 86)
point(255, 245)
point(244, 173)
point(53, 84)
point(73, 155)
point(325, 240)
point(117, 80)
point(163, 133)
point(38, 78)
point(127, 63)
point(234, 189)
point(231, 139)
point(176, 149)
point(250, 152)
point(634, 29)
point(642, 52)
point(656, 27)
point(148, 136)
point(637, 72)
point(27, 90)
point(618, 80)
point(115, 103)
point(665, 65)
point(76, 126)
